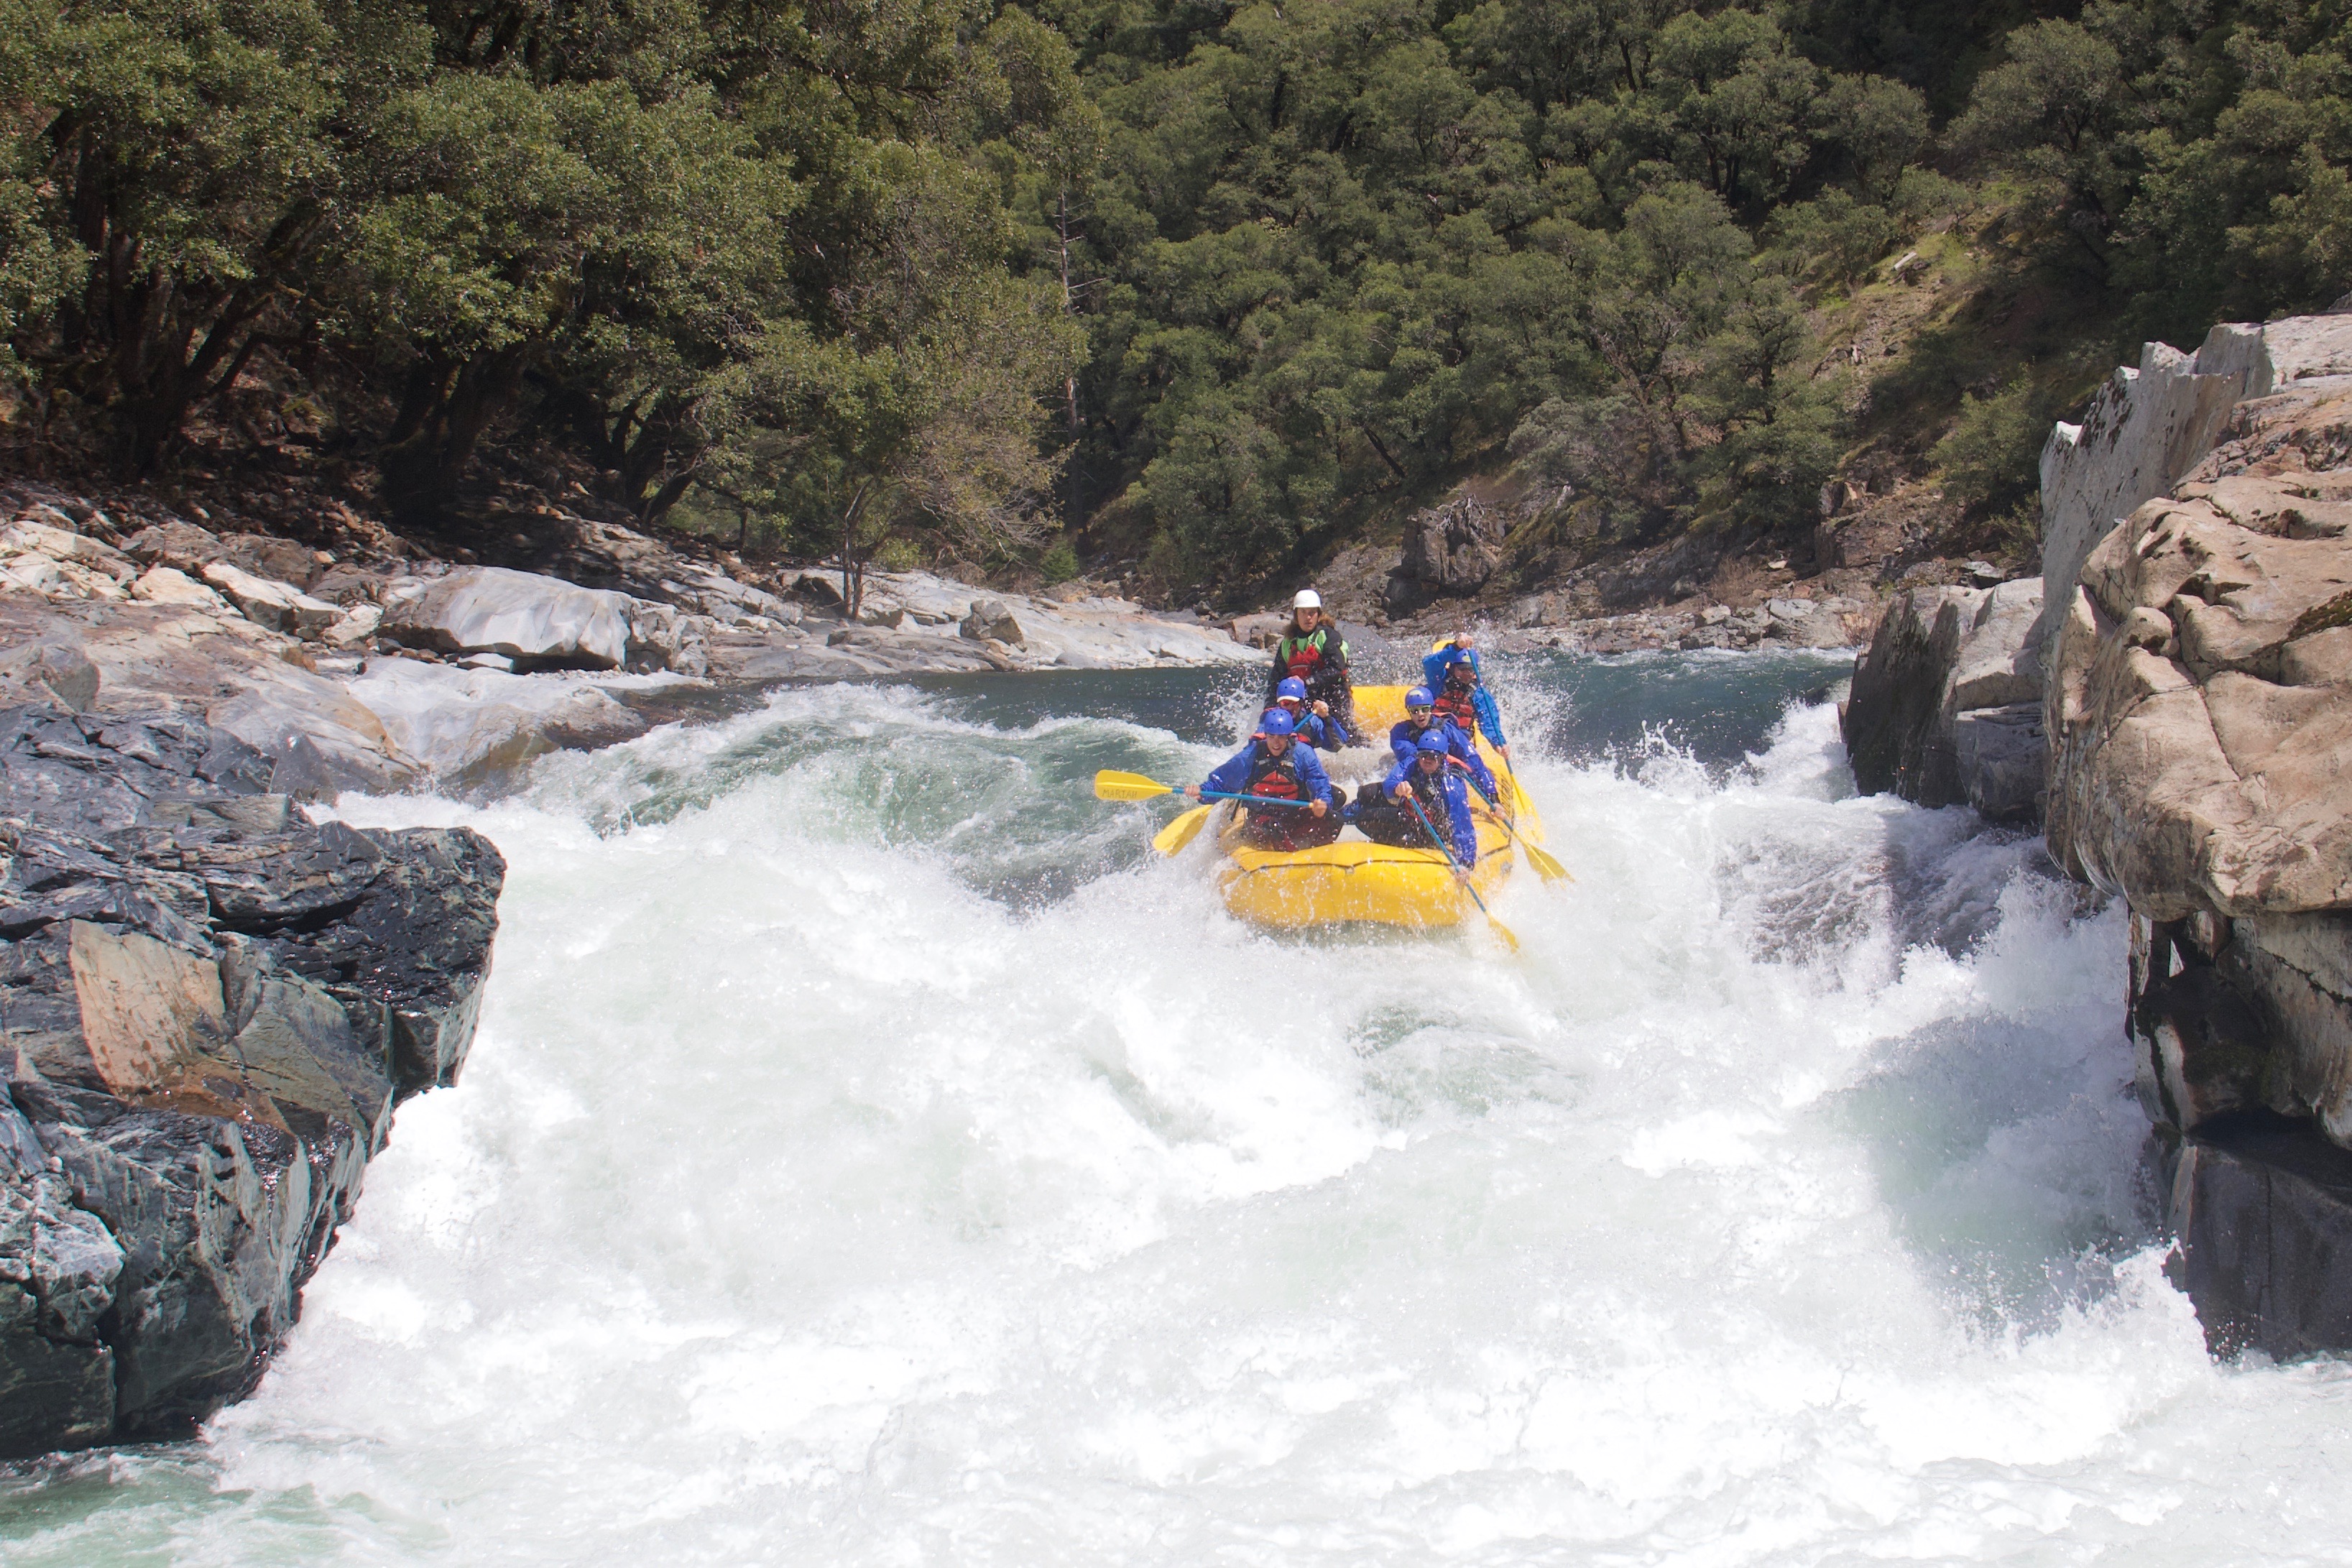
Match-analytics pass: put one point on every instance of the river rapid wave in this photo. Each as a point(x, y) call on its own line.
point(872, 1155)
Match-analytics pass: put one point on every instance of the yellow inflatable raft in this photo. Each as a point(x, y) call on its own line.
point(1355, 880)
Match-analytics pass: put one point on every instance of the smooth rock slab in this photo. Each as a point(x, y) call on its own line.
point(534, 620)
point(459, 721)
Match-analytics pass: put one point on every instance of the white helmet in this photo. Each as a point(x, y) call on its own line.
point(1308, 599)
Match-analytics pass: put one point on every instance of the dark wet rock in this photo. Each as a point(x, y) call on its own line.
point(2262, 1208)
point(1450, 550)
point(2001, 755)
point(211, 1006)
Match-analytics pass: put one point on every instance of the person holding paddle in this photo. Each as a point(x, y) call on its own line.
point(1440, 795)
point(1452, 672)
point(1316, 727)
point(1422, 717)
point(1274, 767)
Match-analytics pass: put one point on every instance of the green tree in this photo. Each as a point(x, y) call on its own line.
point(184, 151)
point(2050, 113)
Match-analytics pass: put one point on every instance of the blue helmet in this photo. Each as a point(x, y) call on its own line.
point(1418, 697)
point(1276, 721)
point(1291, 687)
point(1432, 742)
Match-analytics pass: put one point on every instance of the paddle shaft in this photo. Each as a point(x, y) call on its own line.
point(1546, 865)
point(1255, 799)
point(1447, 851)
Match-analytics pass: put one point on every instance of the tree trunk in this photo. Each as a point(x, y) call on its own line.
point(423, 469)
point(852, 572)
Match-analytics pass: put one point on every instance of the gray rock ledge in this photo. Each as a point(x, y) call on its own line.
point(208, 1008)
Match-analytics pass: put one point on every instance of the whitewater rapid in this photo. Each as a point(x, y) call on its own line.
point(871, 1156)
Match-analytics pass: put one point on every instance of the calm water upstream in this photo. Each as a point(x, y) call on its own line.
point(872, 1156)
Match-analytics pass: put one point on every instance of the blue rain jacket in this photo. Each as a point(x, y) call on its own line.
point(1454, 791)
point(1432, 675)
point(1233, 773)
point(1404, 741)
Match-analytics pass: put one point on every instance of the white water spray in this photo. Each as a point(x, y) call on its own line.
point(869, 1158)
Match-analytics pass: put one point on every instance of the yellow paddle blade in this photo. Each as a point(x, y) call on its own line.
point(1172, 839)
point(1502, 933)
point(1548, 867)
point(1113, 785)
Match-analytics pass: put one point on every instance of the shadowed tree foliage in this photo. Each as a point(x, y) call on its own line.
point(1219, 286)
point(568, 227)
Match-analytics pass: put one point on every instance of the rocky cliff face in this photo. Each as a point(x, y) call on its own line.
point(2194, 644)
point(208, 1010)
point(2201, 712)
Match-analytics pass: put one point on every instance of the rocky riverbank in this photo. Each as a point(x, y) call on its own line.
point(208, 1010)
point(370, 668)
point(2180, 707)
point(1732, 589)
point(211, 1004)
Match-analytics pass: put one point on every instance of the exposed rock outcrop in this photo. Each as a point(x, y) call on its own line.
point(2197, 647)
point(2148, 427)
point(208, 1010)
point(393, 673)
point(539, 623)
point(1945, 704)
point(1450, 550)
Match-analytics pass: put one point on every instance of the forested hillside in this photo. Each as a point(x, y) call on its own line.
point(1213, 287)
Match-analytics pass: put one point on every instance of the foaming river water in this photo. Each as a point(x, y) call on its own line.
point(871, 1156)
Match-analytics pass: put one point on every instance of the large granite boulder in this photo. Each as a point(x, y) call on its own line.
point(538, 622)
point(212, 1007)
point(2202, 709)
point(2199, 705)
point(1945, 705)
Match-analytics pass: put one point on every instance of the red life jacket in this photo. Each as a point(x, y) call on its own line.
point(1300, 655)
point(1458, 703)
point(1277, 776)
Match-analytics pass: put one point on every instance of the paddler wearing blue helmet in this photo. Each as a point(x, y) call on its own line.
point(1451, 670)
point(1316, 727)
point(1422, 717)
point(1439, 790)
point(1275, 767)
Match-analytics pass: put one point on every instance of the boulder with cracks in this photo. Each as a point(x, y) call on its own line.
point(209, 1008)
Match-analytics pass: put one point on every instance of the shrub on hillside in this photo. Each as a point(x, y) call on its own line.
point(1991, 460)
